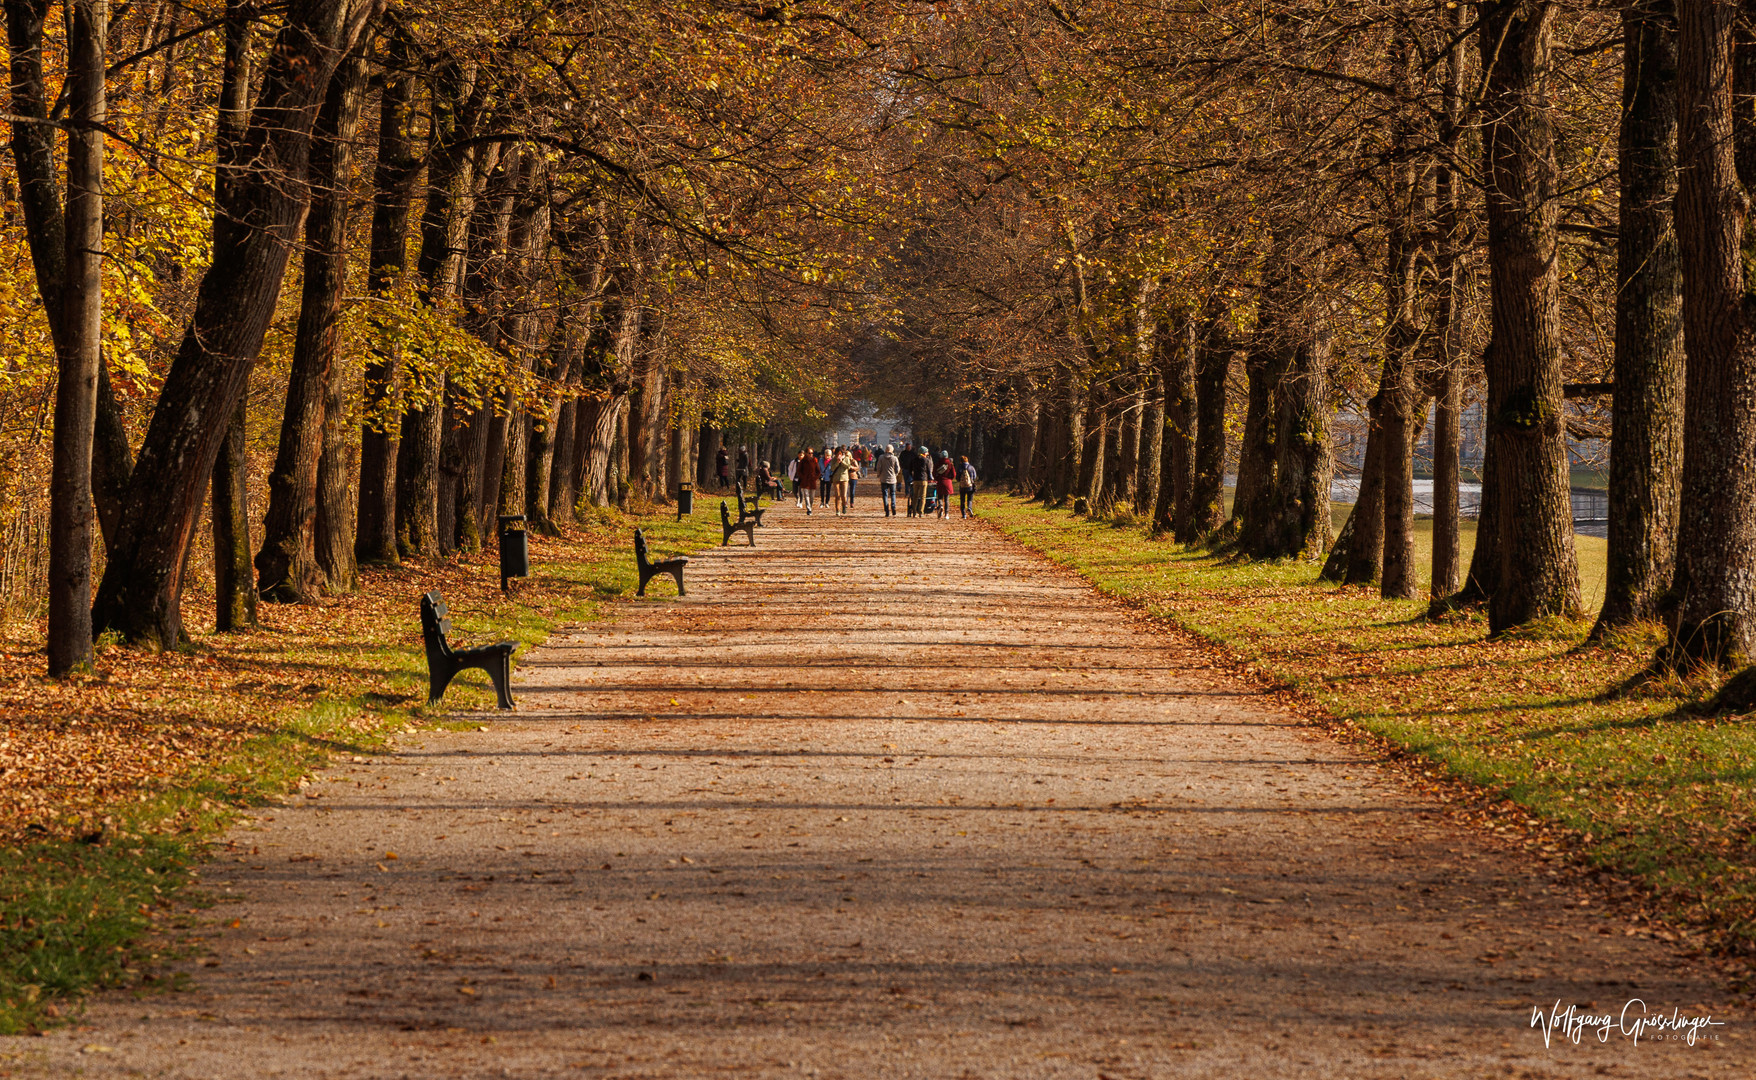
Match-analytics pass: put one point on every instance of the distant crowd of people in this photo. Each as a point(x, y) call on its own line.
point(829, 478)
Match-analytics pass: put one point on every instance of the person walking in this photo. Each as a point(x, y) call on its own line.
point(966, 488)
point(921, 481)
point(888, 469)
point(840, 469)
point(722, 467)
point(805, 480)
point(823, 464)
point(906, 462)
point(945, 475)
point(744, 468)
point(856, 465)
point(793, 479)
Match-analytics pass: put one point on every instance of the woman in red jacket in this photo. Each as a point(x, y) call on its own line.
point(806, 479)
point(945, 474)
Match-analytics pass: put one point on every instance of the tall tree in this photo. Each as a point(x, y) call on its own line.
point(287, 566)
point(455, 102)
point(1207, 511)
point(78, 347)
point(39, 197)
point(1448, 323)
point(1539, 574)
point(1646, 446)
point(1398, 398)
point(229, 502)
point(1714, 618)
point(393, 189)
point(255, 227)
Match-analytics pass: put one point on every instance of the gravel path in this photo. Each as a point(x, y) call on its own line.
point(884, 798)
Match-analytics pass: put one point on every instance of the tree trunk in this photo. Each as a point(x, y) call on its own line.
point(1646, 445)
point(513, 472)
point(561, 494)
point(1714, 617)
point(1447, 516)
point(1177, 353)
point(677, 465)
point(1207, 507)
point(1093, 426)
point(1070, 437)
point(710, 446)
point(1396, 386)
point(79, 346)
point(335, 490)
point(643, 428)
point(1253, 495)
point(444, 241)
point(1109, 491)
point(1123, 468)
point(1448, 342)
point(39, 191)
point(234, 598)
point(539, 464)
point(393, 190)
point(255, 226)
point(1148, 469)
point(1365, 526)
point(1335, 567)
point(1305, 464)
point(1539, 575)
point(1484, 564)
point(599, 416)
point(619, 457)
point(1025, 428)
point(287, 567)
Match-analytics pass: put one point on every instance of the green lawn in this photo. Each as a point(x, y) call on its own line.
point(1630, 781)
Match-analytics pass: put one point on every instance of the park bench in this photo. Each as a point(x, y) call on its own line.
point(744, 523)
point(444, 662)
point(749, 505)
point(649, 569)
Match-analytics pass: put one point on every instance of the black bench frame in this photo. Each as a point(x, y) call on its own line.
point(745, 524)
point(749, 505)
point(649, 569)
point(444, 662)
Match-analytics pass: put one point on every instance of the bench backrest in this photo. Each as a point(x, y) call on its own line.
point(435, 627)
point(725, 516)
point(640, 554)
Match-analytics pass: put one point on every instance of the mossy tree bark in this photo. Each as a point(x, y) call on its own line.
point(1713, 620)
point(1646, 448)
point(1539, 575)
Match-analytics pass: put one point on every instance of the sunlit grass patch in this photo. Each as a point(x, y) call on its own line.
point(1542, 717)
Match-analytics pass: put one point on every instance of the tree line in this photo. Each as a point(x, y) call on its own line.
point(544, 253)
point(1177, 244)
point(529, 247)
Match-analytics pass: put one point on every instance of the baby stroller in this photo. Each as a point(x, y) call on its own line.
point(931, 506)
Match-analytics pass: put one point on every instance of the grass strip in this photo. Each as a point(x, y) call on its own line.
point(1636, 782)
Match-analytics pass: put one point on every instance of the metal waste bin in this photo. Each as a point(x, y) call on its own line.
point(685, 498)
point(514, 549)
